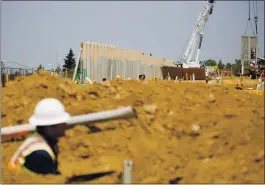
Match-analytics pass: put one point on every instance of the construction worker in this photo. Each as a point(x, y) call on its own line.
point(262, 76)
point(38, 154)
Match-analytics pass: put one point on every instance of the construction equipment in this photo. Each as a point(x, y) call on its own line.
point(249, 46)
point(261, 63)
point(195, 40)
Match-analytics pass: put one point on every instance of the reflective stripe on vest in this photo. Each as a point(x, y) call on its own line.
point(32, 144)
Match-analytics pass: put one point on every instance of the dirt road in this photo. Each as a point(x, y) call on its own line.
point(184, 133)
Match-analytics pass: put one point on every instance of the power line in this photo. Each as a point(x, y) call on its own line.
point(17, 64)
point(249, 10)
point(249, 20)
point(256, 16)
point(253, 3)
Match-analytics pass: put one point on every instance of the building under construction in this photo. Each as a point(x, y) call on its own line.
point(99, 61)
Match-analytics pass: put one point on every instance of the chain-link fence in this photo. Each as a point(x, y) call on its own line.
point(15, 72)
point(10, 74)
point(63, 73)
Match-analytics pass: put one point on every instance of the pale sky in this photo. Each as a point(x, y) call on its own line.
point(32, 32)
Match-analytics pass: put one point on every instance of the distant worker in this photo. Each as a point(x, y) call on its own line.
point(262, 76)
point(38, 154)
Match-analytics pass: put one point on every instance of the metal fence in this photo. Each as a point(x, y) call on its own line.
point(63, 73)
point(10, 74)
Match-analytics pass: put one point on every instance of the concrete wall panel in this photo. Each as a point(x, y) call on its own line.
point(106, 61)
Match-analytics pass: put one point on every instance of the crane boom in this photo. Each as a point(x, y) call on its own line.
point(195, 40)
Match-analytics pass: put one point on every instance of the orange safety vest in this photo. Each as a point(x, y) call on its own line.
point(32, 144)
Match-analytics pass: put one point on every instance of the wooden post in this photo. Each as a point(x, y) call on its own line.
point(241, 81)
point(66, 73)
point(3, 80)
point(127, 172)
point(6, 78)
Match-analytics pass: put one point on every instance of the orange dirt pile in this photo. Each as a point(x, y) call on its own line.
point(185, 132)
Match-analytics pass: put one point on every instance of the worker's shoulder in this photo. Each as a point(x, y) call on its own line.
point(39, 155)
point(32, 140)
point(36, 145)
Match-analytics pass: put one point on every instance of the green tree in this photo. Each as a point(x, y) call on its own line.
point(236, 67)
point(69, 61)
point(220, 65)
point(228, 65)
point(238, 61)
point(58, 69)
point(40, 67)
point(202, 63)
point(211, 62)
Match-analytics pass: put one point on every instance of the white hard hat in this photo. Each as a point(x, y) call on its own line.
point(49, 111)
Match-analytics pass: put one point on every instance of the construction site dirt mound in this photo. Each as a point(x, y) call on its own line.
point(184, 132)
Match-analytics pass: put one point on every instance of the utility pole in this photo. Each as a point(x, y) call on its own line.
point(2, 73)
point(231, 70)
point(57, 57)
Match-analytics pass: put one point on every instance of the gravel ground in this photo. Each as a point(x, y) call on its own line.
point(184, 133)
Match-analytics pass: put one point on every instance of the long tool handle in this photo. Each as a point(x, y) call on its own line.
point(103, 116)
point(8, 133)
point(86, 118)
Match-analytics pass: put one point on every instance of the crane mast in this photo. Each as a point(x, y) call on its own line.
point(195, 40)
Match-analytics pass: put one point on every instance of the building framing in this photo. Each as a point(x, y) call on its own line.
point(99, 61)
